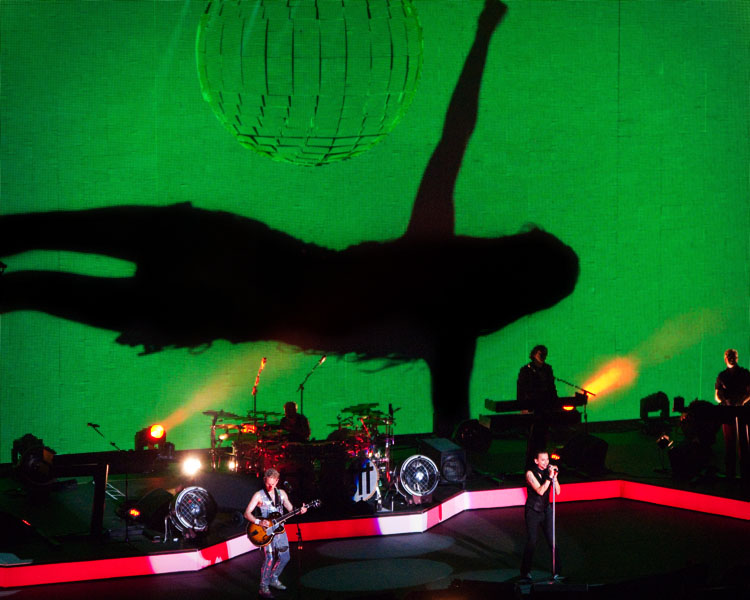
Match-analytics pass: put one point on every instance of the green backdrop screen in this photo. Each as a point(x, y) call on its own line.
point(620, 127)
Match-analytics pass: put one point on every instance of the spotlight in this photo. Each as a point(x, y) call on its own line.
point(657, 402)
point(419, 476)
point(190, 466)
point(153, 437)
point(33, 460)
point(192, 511)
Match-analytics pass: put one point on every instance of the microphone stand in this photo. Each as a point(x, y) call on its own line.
point(301, 388)
point(255, 386)
point(299, 560)
point(587, 393)
point(554, 543)
point(127, 514)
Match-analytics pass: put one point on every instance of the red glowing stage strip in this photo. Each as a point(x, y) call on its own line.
point(21, 575)
point(715, 505)
point(132, 566)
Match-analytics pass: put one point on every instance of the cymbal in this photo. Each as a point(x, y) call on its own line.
point(374, 414)
point(360, 409)
point(263, 413)
point(222, 415)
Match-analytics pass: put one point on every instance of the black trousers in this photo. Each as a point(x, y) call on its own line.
point(736, 443)
point(535, 520)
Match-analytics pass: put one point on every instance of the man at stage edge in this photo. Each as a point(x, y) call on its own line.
point(538, 511)
point(276, 552)
point(536, 391)
point(733, 389)
point(295, 424)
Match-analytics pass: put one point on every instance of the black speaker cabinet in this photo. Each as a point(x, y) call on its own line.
point(586, 453)
point(450, 458)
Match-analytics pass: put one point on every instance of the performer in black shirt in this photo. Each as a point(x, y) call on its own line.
point(536, 391)
point(539, 479)
point(733, 389)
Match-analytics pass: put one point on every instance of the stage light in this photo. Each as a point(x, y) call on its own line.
point(657, 402)
point(32, 460)
point(152, 437)
point(419, 476)
point(190, 466)
point(134, 513)
point(192, 511)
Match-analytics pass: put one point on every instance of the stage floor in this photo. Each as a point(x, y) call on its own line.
point(464, 551)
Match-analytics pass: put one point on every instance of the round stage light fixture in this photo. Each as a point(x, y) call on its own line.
point(192, 511)
point(151, 437)
point(419, 475)
point(311, 81)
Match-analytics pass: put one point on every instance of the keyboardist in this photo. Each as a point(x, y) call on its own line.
point(536, 391)
point(733, 389)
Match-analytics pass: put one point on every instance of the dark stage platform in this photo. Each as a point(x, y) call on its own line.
point(632, 528)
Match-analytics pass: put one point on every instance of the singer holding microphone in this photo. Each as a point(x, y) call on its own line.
point(538, 512)
point(275, 554)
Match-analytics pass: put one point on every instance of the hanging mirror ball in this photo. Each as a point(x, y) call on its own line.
point(309, 81)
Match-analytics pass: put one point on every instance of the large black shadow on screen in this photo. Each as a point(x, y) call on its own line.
point(205, 275)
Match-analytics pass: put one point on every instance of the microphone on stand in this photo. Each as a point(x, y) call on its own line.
point(94, 425)
point(322, 359)
point(287, 486)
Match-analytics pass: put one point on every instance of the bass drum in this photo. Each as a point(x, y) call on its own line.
point(364, 479)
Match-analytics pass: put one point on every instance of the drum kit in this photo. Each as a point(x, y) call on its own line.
point(354, 460)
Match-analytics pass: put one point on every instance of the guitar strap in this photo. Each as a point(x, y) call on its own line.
point(276, 500)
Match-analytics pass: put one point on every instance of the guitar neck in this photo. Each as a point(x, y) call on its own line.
point(289, 515)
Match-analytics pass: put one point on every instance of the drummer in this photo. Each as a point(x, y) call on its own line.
point(295, 424)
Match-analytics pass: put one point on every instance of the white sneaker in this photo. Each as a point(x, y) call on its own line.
point(264, 592)
point(275, 583)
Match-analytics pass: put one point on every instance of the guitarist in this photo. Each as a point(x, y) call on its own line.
point(733, 389)
point(276, 554)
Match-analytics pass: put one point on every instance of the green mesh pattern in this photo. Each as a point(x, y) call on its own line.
point(309, 81)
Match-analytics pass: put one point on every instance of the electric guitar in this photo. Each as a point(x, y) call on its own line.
point(261, 536)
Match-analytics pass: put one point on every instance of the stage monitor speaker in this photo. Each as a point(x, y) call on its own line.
point(449, 457)
point(473, 436)
point(153, 508)
point(585, 453)
point(231, 491)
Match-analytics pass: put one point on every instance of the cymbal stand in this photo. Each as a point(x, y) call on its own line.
point(214, 458)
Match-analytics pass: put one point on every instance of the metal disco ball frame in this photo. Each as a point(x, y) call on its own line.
point(309, 81)
point(419, 475)
point(192, 510)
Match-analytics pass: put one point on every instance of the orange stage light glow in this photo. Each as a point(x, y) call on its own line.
point(673, 337)
point(617, 373)
point(157, 432)
point(225, 390)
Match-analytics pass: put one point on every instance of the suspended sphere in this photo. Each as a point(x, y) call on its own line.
point(309, 81)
